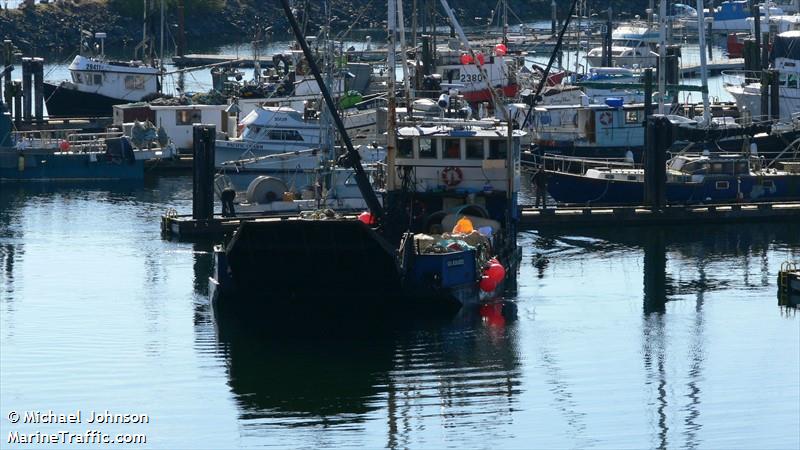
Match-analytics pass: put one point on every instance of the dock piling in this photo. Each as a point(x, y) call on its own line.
point(27, 90)
point(37, 66)
point(774, 94)
point(765, 85)
point(203, 171)
point(659, 138)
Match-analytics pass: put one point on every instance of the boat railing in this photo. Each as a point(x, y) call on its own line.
point(740, 78)
point(570, 164)
point(90, 142)
point(40, 138)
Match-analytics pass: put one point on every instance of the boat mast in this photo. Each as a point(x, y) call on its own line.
point(662, 52)
point(403, 62)
point(161, 51)
point(352, 158)
point(701, 29)
point(391, 133)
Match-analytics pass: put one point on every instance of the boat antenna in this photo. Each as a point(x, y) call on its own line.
point(351, 158)
point(546, 72)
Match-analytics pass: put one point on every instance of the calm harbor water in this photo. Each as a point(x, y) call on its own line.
point(621, 339)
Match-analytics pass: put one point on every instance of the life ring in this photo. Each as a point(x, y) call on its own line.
point(452, 176)
point(606, 118)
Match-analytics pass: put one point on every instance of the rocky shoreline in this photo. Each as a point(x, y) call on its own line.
point(53, 28)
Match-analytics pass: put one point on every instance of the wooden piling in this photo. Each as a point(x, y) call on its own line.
point(203, 172)
point(659, 138)
point(37, 67)
point(774, 95)
point(27, 90)
point(16, 87)
point(8, 57)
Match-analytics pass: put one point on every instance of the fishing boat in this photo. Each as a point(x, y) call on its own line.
point(745, 87)
point(691, 179)
point(43, 157)
point(443, 238)
point(631, 45)
point(458, 71)
point(271, 130)
point(732, 16)
point(97, 83)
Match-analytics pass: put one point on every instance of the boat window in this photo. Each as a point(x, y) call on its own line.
point(427, 148)
point(631, 177)
point(76, 77)
point(632, 117)
point(474, 148)
point(285, 135)
point(134, 82)
point(98, 78)
point(451, 149)
point(498, 149)
point(722, 185)
point(187, 116)
point(793, 78)
point(405, 148)
point(741, 167)
point(88, 79)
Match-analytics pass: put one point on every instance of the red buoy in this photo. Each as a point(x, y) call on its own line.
point(63, 145)
point(496, 272)
point(367, 218)
point(500, 49)
point(486, 284)
point(480, 57)
point(466, 59)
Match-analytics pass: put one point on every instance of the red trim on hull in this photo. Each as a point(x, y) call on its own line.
point(484, 95)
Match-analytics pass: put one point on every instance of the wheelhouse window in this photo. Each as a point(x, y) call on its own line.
point(285, 135)
point(498, 149)
point(451, 149)
point(405, 148)
point(187, 117)
point(632, 117)
point(134, 82)
point(721, 185)
point(427, 148)
point(98, 78)
point(77, 78)
point(474, 148)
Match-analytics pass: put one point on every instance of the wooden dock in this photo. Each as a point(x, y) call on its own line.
point(714, 67)
point(183, 227)
point(200, 59)
point(671, 215)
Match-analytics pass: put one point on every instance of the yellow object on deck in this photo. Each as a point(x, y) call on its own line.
point(463, 226)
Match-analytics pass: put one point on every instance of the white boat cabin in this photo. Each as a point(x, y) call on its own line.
point(464, 158)
point(119, 80)
point(588, 126)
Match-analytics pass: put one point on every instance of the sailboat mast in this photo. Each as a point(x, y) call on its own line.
point(662, 53)
point(403, 62)
point(161, 50)
point(701, 29)
point(391, 62)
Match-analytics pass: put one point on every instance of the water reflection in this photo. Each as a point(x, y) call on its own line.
point(459, 372)
point(681, 264)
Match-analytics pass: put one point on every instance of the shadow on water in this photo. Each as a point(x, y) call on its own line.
point(429, 368)
point(715, 258)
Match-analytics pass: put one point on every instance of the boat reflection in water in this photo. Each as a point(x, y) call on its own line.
point(437, 368)
point(687, 273)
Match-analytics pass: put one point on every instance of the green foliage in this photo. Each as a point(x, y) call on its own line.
point(134, 8)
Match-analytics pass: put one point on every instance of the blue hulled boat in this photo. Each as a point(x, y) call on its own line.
point(39, 156)
point(690, 179)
